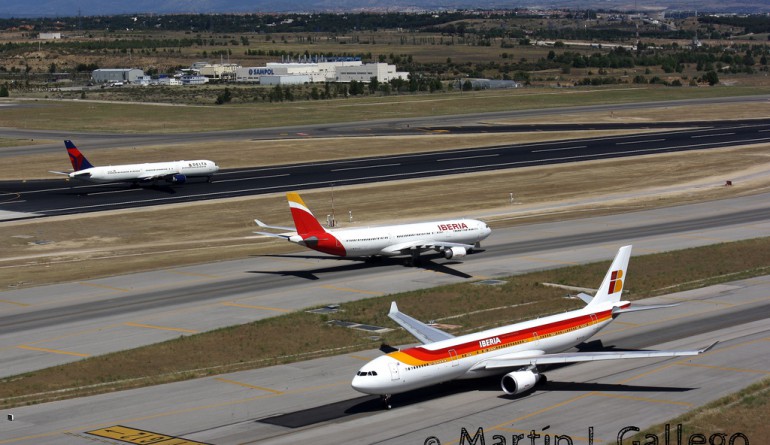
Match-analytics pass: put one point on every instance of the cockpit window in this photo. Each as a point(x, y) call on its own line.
point(365, 373)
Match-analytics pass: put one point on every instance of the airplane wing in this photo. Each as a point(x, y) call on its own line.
point(409, 246)
point(152, 177)
point(421, 331)
point(538, 358)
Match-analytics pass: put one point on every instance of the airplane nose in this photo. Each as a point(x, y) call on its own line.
point(360, 384)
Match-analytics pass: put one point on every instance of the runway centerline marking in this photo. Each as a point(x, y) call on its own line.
point(248, 385)
point(103, 286)
point(252, 306)
point(463, 158)
point(365, 167)
point(639, 142)
point(192, 274)
point(15, 303)
point(53, 351)
point(725, 368)
point(160, 328)
point(559, 149)
point(348, 289)
point(642, 399)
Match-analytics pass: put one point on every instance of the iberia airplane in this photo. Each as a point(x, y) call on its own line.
point(453, 238)
point(175, 172)
point(517, 349)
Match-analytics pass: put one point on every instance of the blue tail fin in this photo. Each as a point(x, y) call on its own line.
point(79, 162)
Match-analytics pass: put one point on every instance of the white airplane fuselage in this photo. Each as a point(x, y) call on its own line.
point(176, 171)
point(456, 358)
point(385, 240)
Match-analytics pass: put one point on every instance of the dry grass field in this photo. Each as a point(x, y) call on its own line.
point(744, 412)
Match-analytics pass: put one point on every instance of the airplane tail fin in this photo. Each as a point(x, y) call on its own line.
point(304, 220)
point(79, 162)
point(612, 286)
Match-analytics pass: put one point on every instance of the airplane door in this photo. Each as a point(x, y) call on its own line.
point(394, 371)
point(453, 358)
point(535, 339)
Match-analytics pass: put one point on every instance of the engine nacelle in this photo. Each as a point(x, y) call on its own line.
point(454, 252)
point(177, 179)
point(519, 381)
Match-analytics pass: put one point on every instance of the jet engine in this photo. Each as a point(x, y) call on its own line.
point(177, 179)
point(454, 252)
point(519, 381)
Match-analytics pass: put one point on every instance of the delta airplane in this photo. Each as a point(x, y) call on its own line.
point(453, 238)
point(517, 349)
point(175, 172)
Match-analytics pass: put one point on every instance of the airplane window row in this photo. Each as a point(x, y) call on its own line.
point(415, 234)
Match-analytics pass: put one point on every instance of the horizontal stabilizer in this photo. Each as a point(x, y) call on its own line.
point(273, 235)
point(261, 224)
point(585, 297)
point(421, 331)
point(58, 173)
point(617, 310)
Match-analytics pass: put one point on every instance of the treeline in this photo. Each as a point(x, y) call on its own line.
point(328, 23)
point(750, 24)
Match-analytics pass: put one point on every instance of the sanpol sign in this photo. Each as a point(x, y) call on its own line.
point(260, 71)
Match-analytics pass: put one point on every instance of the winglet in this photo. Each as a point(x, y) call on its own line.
point(79, 162)
point(708, 348)
point(393, 309)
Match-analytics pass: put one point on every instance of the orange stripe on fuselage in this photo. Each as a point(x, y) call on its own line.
point(421, 356)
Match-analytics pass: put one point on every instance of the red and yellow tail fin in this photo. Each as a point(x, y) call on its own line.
point(304, 220)
point(612, 286)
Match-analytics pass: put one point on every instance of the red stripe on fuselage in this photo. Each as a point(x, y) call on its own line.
point(506, 339)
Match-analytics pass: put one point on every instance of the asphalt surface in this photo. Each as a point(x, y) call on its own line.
point(49, 325)
point(56, 197)
point(312, 402)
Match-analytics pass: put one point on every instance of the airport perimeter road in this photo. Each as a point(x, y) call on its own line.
point(50, 325)
point(57, 197)
point(312, 402)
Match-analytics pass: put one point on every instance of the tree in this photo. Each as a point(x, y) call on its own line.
point(4, 90)
point(711, 77)
point(225, 97)
point(374, 84)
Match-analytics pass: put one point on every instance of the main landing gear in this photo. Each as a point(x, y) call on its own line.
point(385, 399)
point(413, 260)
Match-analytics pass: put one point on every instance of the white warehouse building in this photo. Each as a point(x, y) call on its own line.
point(335, 71)
point(364, 73)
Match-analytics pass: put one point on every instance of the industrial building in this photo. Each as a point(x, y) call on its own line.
point(293, 73)
point(106, 75)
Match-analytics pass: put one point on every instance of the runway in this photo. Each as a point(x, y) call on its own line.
point(312, 402)
point(56, 197)
point(49, 325)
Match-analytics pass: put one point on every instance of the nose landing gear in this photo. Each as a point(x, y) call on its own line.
point(385, 399)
